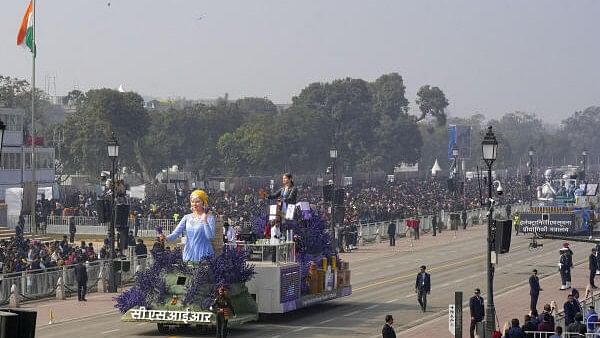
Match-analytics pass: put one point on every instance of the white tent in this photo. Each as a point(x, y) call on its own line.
point(14, 196)
point(436, 168)
point(138, 191)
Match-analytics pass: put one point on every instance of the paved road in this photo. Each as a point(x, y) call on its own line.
point(383, 282)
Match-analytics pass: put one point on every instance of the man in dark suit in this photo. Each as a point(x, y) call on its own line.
point(423, 287)
point(477, 312)
point(534, 289)
point(571, 307)
point(388, 330)
point(72, 229)
point(392, 233)
point(81, 277)
point(593, 266)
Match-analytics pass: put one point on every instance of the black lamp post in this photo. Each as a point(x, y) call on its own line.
point(489, 148)
point(2, 129)
point(531, 154)
point(584, 156)
point(113, 154)
point(455, 171)
point(333, 156)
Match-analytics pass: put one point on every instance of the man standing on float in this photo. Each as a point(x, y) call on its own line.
point(199, 227)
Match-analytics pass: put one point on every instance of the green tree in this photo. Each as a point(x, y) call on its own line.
point(102, 112)
point(397, 136)
point(432, 102)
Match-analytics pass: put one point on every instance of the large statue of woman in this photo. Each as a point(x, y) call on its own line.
point(199, 228)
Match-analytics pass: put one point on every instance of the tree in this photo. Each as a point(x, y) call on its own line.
point(432, 102)
point(102, 112)
point(397, 135)
point(388, 93)
point(11, 89)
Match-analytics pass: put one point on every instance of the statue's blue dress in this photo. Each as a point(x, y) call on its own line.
point(198, 237)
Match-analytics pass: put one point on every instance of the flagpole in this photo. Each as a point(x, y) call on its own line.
point(33, 164)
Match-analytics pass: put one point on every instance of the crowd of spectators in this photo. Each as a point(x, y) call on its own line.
point(363, 203)
point(19, 254)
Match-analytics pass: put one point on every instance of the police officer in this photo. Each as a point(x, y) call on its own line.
point(564, 267)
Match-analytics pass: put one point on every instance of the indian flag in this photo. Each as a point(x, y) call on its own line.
point(25, 35)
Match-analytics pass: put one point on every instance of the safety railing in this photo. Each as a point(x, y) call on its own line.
point(368, 232)
point(262, 251)
point(592, 300)
point(377, 231)
point(542, 334)
point(37, 284)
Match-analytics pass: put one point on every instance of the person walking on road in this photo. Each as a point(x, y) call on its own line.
point(81, 277)
point(423, 287)
point(388, 330)
point(534, 289)
point(477, 313)
point(392, 233)
point(593, 266)
point(224, 310)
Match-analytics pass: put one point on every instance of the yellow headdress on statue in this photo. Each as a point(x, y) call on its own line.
point(201, 195)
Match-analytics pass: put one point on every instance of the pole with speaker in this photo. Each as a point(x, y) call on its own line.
point(503, 235)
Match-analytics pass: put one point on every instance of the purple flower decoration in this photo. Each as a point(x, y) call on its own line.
point(130, 298)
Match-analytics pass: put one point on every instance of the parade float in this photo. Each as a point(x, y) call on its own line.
point(565, 205)
point(263, 276)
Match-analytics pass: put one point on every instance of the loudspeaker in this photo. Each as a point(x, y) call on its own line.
point(339, 196)
point(503, 233)
point(103, 210)
point(26, 322)
point(327, 192)
point(340, 213)
point(122, 215)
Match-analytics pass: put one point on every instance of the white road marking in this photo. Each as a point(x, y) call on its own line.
point(372, 306)
point(115, 330)
point(351, 313)
point(300, 329)
point(393, 300)
point(326, 321)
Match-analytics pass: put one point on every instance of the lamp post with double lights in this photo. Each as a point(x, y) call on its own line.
point(531, 154)
point(489, 147)
point(113, 154)
point(333, 156)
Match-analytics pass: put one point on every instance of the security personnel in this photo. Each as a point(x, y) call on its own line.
point(517, 223)
point(564, 267)
point(423, 287)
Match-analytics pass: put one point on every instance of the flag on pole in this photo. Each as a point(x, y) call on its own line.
point(25, 35)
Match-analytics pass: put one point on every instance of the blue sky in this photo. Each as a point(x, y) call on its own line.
point(490, 57)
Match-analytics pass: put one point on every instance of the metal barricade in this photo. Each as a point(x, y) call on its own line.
point(38, 284)
point(262, 251)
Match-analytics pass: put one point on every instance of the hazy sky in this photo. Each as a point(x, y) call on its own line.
point(491, 57)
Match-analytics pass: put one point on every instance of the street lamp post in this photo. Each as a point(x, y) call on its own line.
point(333, 156)
point(531, 153)
point(489, 148)
point(455, 156)
point(113, 154)
point(584, 155)
point(2, 129)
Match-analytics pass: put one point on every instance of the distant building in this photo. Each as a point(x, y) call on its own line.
point(15, 166)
